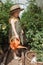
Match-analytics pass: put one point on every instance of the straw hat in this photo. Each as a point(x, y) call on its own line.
point(15, 7)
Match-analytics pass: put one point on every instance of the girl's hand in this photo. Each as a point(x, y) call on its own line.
point(17, 37)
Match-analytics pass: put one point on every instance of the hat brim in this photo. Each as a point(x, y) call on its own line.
point(21, 9)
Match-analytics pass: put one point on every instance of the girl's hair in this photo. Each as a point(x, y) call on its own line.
point(12, 12)
point(19, 18)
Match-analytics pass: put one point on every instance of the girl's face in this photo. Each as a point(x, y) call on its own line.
point(16, 14)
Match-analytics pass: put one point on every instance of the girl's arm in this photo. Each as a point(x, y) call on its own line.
point(13, 27)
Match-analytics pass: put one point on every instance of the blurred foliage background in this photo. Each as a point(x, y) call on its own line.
point(4, 24)
point(32, 23)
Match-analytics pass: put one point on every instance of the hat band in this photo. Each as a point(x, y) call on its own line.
point(15, 9)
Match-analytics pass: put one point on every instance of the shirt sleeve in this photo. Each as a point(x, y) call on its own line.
point(12, 21)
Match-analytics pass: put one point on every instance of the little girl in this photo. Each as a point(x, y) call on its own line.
point(15, 27)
